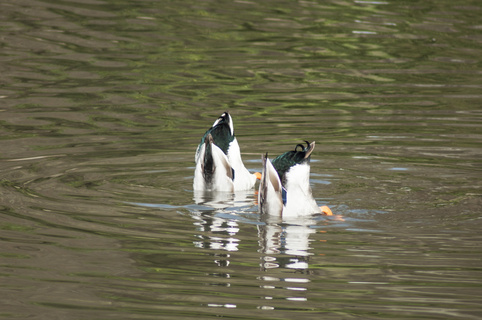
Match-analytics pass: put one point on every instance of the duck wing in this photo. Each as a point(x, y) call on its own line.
point(271, 194)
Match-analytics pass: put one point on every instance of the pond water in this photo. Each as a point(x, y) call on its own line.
point(103, 103)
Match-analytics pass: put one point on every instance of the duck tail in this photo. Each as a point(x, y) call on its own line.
point(208, 161)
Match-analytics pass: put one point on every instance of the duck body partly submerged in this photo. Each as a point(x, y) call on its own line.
point(285, 184)
point(219, 166)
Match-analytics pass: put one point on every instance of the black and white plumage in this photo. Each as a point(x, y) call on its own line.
point(219, 166)
point(284, 188)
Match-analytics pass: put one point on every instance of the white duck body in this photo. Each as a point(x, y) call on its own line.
point(294, 169)
point(299, 199)
point(243, 179)
point(238, 178)
point(213, 170)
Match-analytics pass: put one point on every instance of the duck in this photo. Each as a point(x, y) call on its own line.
point(284, 188)
point(219, 165)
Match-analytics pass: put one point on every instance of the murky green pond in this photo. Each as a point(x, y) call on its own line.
point(102, 105)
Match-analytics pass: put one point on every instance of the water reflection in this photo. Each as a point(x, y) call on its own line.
point(220, 201)
point(223, 230)
point(285, 236)
point(284, 243)
point(216, 230)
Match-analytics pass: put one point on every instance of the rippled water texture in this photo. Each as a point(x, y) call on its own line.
point(102, 105)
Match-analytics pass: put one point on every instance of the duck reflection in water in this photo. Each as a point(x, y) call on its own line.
point(216, 219)
point(285, 243)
